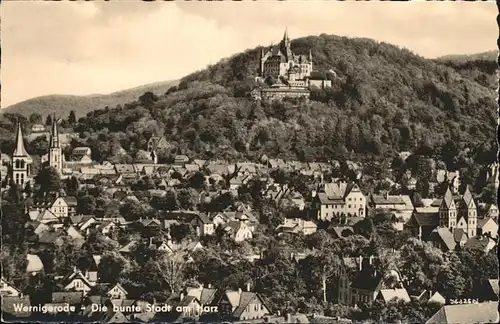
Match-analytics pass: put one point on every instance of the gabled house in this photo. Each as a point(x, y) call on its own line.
point(339, 198)
point(64, 207)
point(76, 281)
point(238, 230)
point(117, 292)
point(487, 226)
point(203, 225)
point(242, 305)
point(204, 294)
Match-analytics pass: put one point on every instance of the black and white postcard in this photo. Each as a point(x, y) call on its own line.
point(249, 162)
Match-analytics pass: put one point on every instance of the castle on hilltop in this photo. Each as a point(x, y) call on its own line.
point(292, 72)
point(280, 61)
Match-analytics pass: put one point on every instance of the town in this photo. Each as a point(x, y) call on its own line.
point(155, 237)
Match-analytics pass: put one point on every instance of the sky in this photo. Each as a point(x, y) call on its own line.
point(83, 48)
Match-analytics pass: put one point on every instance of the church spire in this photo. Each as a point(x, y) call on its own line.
point(54, 139)
point(285, 36)
point(20, 150)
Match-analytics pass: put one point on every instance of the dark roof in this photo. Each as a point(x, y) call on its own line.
point(70, 297)
point(367, 280)
point(427, 219)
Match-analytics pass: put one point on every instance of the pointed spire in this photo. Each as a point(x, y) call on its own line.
point(285, 36)
point(54, 139)
point(448, 198)
point(20, 150)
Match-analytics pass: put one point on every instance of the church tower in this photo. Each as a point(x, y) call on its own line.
point(21, 160)
point(448, 211)
point(55, 152)
point(470, 212)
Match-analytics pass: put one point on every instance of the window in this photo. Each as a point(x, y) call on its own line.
point(348, 206)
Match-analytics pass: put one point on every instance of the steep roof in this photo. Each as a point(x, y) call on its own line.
point(391, 294)
point(20, 150)
point(34, 263)
point(466, 314)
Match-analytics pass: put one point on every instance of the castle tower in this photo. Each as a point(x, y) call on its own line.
point(55, 152)
point(448, 211)
point(285, 47)
point(21, 160)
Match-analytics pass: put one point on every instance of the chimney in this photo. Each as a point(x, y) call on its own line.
point(239, 291)
point(289, 318)
point(150, 241)
point(86, 274)
point(75, 269)
point(209, 285)
point(248, 286)
point(181, 297)
point(360, 263)
point(371, 259)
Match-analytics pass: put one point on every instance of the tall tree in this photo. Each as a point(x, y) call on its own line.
point(48, 120)
point(72, 118)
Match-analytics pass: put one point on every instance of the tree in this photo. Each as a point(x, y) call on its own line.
point(49, 180)
point(86, 205)
point(35, 118)
point(72, 118)
point(148, 99)
point(188, 198)
point(326, 264)
point(48, 120)
point(171, 267)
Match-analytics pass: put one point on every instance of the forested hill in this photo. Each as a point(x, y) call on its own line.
point(61, 105)
point(385, 100)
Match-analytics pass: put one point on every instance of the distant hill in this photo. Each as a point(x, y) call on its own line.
point(384, 100)
point(61, 105)
point(488, 56)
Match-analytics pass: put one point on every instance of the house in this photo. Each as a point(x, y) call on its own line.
point(203, 225)
point(429, 296)
point(466, 313)
point(297, 225)
point(487, 226)
point(155, 143)
point(490, 210)
point(76, 281)
point(204, 294)
point(64, 207)
point(339, 198)
point(117, 292)
point(238, 230)
point(53, 236)
point(181, 159)
point(400, 205)
point(367, 283)
point(443, 238)
point(395, 294)
point(241, 305)
point(82, 154)
point(35, 264)
point(7, 289)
